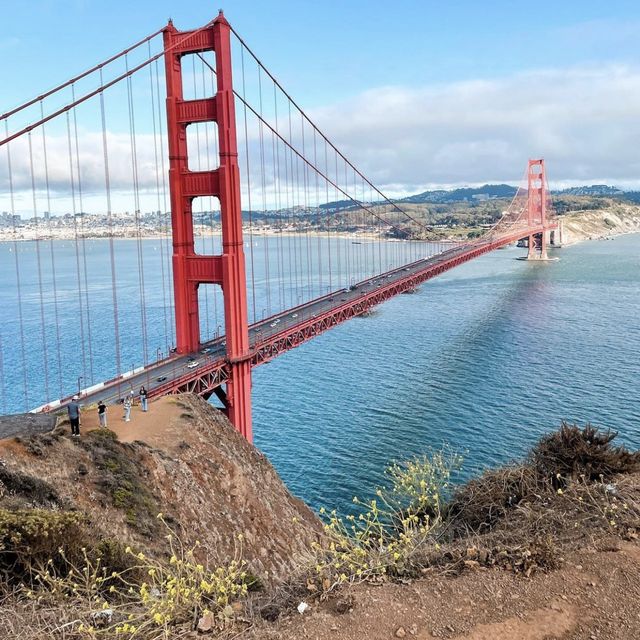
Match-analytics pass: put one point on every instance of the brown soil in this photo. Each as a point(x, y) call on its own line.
point(181, 458)
point(161, 426)
point(594, 596)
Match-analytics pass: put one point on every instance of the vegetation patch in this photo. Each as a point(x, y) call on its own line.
point(585, 453)
point(146, 598)
point(20, 489)
point(520, 517)
point(573, 461)
point(30, 540)
point(122, 479)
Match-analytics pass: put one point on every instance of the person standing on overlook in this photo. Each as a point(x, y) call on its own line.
point(143, 399)
point(73, 409)
point(127, 408)
point(102, 413)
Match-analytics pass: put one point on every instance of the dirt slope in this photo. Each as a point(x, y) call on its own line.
point(594, 596)
point(183, 459)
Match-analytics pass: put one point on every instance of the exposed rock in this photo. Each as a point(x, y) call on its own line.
point(26, 424)
point(614, 219)
point(218, 490)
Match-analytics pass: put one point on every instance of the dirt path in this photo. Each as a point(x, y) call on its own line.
point(160, 426)
point(594, 596)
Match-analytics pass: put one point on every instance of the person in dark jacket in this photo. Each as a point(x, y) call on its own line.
point(73, 409)
point(143, 399)
point(102, 413)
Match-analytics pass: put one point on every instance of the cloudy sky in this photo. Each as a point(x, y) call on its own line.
point(418, 94)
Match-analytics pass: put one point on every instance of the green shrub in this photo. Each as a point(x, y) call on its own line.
point(31, 538)
point(387, 532)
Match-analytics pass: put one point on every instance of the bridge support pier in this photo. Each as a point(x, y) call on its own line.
point(537, 246)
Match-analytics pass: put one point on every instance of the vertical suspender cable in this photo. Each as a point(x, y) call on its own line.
point(339, 241)
point(264, 198)
point(305, 193)
point(136, 196)
point(52, 255)
point(347, 217)
point(290, 238)
point(112, 258)
point(246, 146)
point(17, 263)
point(378, 236)
point(158, 201)
point(77, 250)
point(275, 153)
point(294, 200)
point(326, 199)
point(318, 218)
point(83, 241)
point(165, 214)
point(45, 354)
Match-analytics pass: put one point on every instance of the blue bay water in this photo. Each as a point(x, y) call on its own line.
point(486, 357)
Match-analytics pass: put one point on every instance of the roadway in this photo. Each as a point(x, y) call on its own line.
point(212, 354)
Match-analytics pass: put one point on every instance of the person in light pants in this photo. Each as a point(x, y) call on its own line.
point(127, 408)
point(102, 414)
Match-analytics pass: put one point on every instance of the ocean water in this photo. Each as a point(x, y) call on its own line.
point(485, 358)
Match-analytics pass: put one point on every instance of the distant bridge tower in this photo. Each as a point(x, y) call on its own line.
point(537, 209)
point(190, 269)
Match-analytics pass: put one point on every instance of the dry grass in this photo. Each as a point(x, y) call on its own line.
point(574, 488)
point(572, 453)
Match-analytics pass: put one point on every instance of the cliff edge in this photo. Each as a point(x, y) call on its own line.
point(182, 459)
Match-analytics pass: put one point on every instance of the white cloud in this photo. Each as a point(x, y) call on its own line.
point(584, 122)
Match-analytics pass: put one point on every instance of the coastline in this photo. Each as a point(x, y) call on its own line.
point(604, 224)
point(578, 226)
point(131, 234)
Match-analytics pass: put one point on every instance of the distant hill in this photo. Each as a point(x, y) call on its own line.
point(466, 194)
point(470, 195)
point(593, 190)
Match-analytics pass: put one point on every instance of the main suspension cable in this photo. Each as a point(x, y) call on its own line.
point(306, 117)
point(100, 89)
point(84, 74)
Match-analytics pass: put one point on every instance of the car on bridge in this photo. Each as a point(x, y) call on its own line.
point(193, 364)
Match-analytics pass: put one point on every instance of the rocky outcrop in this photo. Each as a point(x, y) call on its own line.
point(616, 219)
point(26, 424)
point(210, 484)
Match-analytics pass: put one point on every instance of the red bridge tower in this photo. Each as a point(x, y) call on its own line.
point(537, 207)
point(190, 269)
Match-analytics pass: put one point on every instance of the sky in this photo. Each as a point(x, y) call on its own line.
point(418, 94)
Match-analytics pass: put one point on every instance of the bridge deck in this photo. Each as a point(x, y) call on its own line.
point(202, 372)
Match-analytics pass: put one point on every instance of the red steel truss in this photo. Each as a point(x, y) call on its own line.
point(207, 378)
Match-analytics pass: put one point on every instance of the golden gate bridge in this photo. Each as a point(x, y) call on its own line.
point(226, 142)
